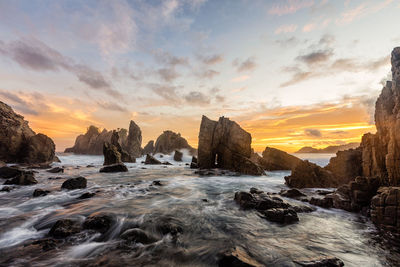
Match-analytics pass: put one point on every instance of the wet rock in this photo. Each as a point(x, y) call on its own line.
point(111, 154)
point(149, 148)
point(324, 192)
point(99, 222)
point(178, 155)
point(321, 262)
point(74, 183)
point(55, 178)
point(18, 143)
point(56, 170)
point(169, 141)
point(167, 163)
point(46, 244)
point(150, 160)
point(24, 178)
point(9, 172)
point(346, 165)
point(326, 202)
point(157, 183)
point(224, 144)
point(6, 189)
point(280, 215)
point(137, 235)
point(193, 164)
point(64, 228)
point(307, 174)
point(116, 146)
point(292, 193)
point(87, 195)
point(40, 192)
point(90, 166)
point(254, 190)
point(236, 257)
point(274, 159)
point(119, 167)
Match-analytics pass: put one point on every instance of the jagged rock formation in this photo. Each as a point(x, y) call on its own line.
point(19, 143)
point(116, 142)
point(149, 148)
point(133, 144)
point(328, 149)
point(169, 141)
point(274, 159)
point(111, 154)
point(224, 144)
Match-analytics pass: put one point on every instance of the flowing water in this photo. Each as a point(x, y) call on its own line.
point(202, 206)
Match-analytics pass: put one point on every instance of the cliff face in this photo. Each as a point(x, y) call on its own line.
point(18, 143)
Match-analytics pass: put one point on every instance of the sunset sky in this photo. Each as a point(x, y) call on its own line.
point(291, 72)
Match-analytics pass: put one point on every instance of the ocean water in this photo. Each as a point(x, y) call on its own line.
point(208, 227)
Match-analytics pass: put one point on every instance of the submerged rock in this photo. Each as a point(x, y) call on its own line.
point(99, 222)
point(74, 183)
point(64, 228)
point(87, 195)
point(150, 160)
point(40, 192)
point(224, 144)
point(119, 167)
point(178, 155)
point(169, 141)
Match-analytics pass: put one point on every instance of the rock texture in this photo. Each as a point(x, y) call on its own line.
point(224, 144)
point(274, 159)
point(149, 148)
point(150, 160)
point(169, 141)
point(178, 155)
point(119, 167)
point(133, 143)
point(19, 143)
point(307, 174)
point(346, 165)
point(111, 154)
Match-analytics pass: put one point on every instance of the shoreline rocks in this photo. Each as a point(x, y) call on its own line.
point(150, 160)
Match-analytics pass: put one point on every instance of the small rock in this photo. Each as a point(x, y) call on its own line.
point(40, 192)
point(87, 195)
point(90, 166)
point(280, 215)
point(138, 236)
point(24, 178)
point(321, 262)
point(254, 190)
point(150, 160)
point(166, 163)
point(64, 228)
point(205, 200)
point(236, 257)
point(56, 170)
point(157, 183)
point(6, 189)
point(178, 155)
point(55, 178)
point(119, 167)
point(9, 172)
point(99, 222)
point(74, 183)
point(292, 193)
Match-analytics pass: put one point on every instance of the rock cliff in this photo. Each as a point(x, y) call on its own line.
point(224, 144)
point(19, 143)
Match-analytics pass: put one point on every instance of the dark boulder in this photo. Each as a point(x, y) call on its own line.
point(150, 160)
point(178, 155)
point(64, 228)
point(292, 193)
point(40, 192)
point(274, 159)
point(56, 170)
point(307, 174)
point(9, 172)
point(111, 154)
point(24, 178)
point(280, 215)
point(99, 222)
point(321, 262)
point(74, 183)
point(87, 195)
point(193, 164)
point(137, 235)
point(119, 167)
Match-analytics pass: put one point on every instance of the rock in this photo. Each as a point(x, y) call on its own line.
point(2, 164)
point(167, 163)
point(134, 141)
point(6, 189)
point(116, 146)
point(307, 174)
point(99, 222)
point(169, 141)
point(87, 195)
point(149, 148)
point(74, 183)
point(9, 172)
point(236, 257)
point(178, 155)
point(150, 160)
point(137, 235)
point(24, 178)
point(167, 225)
point(18, 143)
point(193, 164)
point(157, 183)
point(326, 202)
point(111, 154)
point(282, 216)
point(274, 159)
point(292, 193)
point(321, 262)
point(64, 228)
point(40, 192)
point(346, 165)
point(119, 167)
point(56, 170)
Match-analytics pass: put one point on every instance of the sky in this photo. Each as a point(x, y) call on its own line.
point(293, 73)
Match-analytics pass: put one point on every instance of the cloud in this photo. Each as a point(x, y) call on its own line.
point(21, 104)
point(111, 106)
point(288, 42)
point(289, 7)
point(243, 66)
point(212, 60)
point(362, 10)
point(197, 98)
point(209, 74)
point(166, 92)
point(313, 132)
point(286, 28)
point(167, 58)
point(241, 78)
point(316, 57)
point(168, 74)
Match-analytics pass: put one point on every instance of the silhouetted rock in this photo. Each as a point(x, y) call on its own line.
point(193, 164)
point(150, 160)
point(111, 154)
point(274, 159)
point(9, 172)
point(119, 167)
point(169, 141)
point(99, 222)
point(75, 183)
point(134, 141)
point(64, 228)
point(224, 144)
point(116, 145)
point(56, 170)
point(178, 155)
point(18, 143)
point(149, 148)
point(40, 192)
point(307, 174)
point(23, 178)
point(236, 257)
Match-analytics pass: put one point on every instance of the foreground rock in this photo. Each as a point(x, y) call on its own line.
point(75, 183)
point(137, 235)
point(22, 178)
point(169, 141)
point(274, 159)
point(236, 257)
point(150, 160)
point(321, 262)
point(40, 192)
point(64, 228)
point(19, 143)
point(119, 167)
point(307, 174)
point(99, 222)
point(224, 144)
point(111, 154)
point(346, 165)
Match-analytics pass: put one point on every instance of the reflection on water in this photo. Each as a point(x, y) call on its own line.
point(202, 206)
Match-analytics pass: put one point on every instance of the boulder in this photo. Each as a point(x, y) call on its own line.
point(280, 215)
point(86, 195)
point(274, 159)
point(111, 154)
point(119, 167)
point(150, 160)
point(19, 143)
point(169, 141)
point(64, 228)
point(24, 178)
point(134, 141)
point(224, 144)
point(56, 170)
point(74, 183)
point(149, 148)
point(346, 165)
point(178, 155)
point(307, 174)
point(292, 193)
point(9, 172)
point(99, 222)
point(193, 164)
point(40, 192)
point(236, 257)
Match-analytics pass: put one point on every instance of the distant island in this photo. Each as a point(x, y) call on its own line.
point(328, 149)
